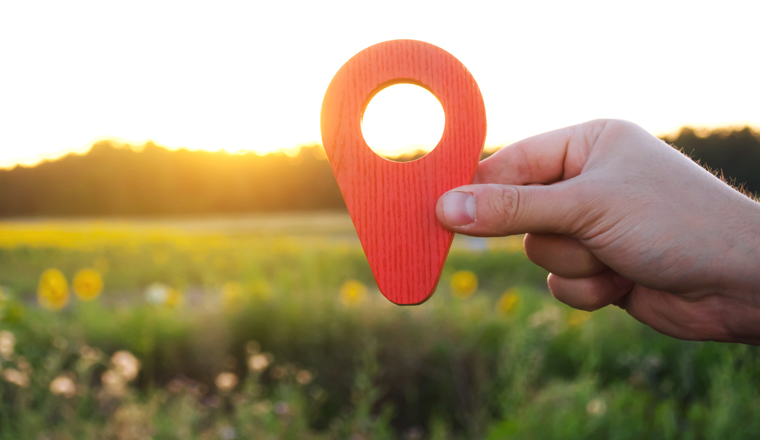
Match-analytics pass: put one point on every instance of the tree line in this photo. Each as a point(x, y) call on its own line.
point(114, 180)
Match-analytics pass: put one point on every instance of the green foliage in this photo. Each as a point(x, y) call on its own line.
point(452, 368)
point(115, 180)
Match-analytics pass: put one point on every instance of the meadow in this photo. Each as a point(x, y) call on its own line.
point(271, 327)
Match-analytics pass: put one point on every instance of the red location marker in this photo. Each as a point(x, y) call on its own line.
point(392, 204)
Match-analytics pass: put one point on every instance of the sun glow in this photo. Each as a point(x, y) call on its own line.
point(403, 119)
point(250, 76)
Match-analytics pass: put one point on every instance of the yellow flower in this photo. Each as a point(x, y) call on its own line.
point(353, 293)
point(53, 290)
point(87, 284)
point(464, 283)
point(577, 317)
point(508, 301)
point(174, 298)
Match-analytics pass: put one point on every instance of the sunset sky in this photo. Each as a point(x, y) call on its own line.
point(251, 75)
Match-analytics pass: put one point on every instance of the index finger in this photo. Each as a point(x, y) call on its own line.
point(545, 158)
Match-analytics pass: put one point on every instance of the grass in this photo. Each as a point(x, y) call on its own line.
point(260, 299)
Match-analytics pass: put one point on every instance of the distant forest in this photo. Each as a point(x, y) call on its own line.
point(120, 181)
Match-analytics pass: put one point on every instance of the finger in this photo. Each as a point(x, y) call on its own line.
point(562, 255)
point(590, 293)
point(498, 210)
point(545, 158)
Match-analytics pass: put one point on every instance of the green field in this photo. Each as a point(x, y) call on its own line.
point(272, 327)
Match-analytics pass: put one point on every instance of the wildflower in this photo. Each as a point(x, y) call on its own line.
point(232, 293)
point(303, 377)
point(157, 293)
point(63, 385)
point(113, 383)
point(53, 290)
point(175, 298)
point(508, 302)
point(161, 294)
point(464, 283)
point(16, 377)
point(353, 293)
point(7, 344)
point(226, 381)
point(596, 407)
point(577, 318)
point(125, 364)
point(87, 284)
point(259, 362)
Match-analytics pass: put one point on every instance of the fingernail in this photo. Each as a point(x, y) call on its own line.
point(459, 208)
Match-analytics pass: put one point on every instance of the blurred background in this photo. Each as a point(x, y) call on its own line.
point(176, 261)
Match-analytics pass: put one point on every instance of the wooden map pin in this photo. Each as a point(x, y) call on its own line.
point(392, 204)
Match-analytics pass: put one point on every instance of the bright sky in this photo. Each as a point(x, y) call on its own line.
point(251, 75)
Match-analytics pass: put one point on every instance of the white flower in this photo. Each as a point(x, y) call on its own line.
point(126, 364)
point(157, 293)
point(16, 377)
point(596, 407)
point(64, 386)
point(7, 343)
point(259, 362)
point(226, 381)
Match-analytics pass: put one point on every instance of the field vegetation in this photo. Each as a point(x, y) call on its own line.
point(272, 327)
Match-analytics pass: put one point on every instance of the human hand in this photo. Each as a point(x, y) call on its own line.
point(619, 217)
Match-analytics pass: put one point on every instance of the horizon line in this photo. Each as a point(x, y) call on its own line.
point(294, 151)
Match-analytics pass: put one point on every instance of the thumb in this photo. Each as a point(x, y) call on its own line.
point(497, 210)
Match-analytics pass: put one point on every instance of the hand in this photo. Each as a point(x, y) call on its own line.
point(619, 217)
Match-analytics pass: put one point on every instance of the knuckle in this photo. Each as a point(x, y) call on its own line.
point(504, 204)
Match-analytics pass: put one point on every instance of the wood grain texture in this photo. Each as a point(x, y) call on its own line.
point(392, 204)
